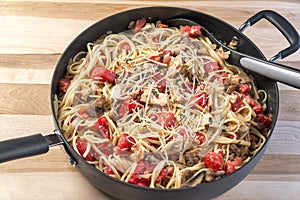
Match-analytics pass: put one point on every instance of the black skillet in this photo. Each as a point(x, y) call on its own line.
point(38, 144)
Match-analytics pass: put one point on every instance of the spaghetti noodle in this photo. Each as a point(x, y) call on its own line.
point(159, 106)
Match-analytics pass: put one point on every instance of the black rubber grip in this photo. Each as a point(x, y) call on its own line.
point(23, 147)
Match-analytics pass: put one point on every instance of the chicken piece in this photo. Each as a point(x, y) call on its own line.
point(155, 98)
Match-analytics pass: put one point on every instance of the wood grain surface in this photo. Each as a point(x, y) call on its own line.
point(34, 33)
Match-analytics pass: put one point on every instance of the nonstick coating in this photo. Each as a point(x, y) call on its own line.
point(118, 23)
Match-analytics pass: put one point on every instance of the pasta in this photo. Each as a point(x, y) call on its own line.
point(160, 106)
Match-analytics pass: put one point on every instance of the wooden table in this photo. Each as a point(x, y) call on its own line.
point(33, 35)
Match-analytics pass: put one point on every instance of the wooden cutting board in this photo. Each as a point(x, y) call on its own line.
point(33, 35)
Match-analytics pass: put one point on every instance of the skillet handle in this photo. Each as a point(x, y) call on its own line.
point(27, 146)
point(287, 29)
point(278, 72)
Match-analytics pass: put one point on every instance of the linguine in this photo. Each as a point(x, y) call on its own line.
point(160, 107)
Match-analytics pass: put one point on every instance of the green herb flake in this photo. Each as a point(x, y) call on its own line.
point(155, 93)
point(161, 57)
point(127, 60)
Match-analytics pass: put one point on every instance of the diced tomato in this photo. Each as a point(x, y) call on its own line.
point(125, 46)
point(210, 66)
point(124, 144)
point(163, 57)
point(257, 108)
point(162, 26)
point(134, 105)
point(199, 137)
point(63, 84)
point(259, 118)
point(191, 31)
point(237, 104)
point(263, 120)
point(222, 77)
point(244, 88)
point(168, 52)
point(267, 121)
point(165, 119)
point(82, 113)
point(128, 106)
point(81, 145)
point(200, 99)
point(189, 87)
point(102, 74)
point(231, 166)
point(142, 168)
point(214, 161)
point(160, 82)
point(162, 174)
point(102, 126)
point(171, 173)
point(139, 24)
point(108, 170)
point(237, 134)
point(105, 147)
point(195, 31)
point(182, 132)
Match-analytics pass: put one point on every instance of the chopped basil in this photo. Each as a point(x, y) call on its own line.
point(155, 93)
point(161, 57)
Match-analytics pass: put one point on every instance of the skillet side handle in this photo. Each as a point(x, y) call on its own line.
point(285, 27)
point(23, 147)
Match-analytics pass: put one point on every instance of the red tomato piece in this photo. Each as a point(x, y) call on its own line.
point(160, 82)
point(168, 52)
point(195, 31)
point(108, 170)
point(139, 24)
point(128, 106)
point(162, 26)
point(182, 132)
point(165, 119)
point(210, 66)
point(199, 136)
point(223, 78)
point(200, 99)
point(231, 166)
point(104, 147)
point(263, 120)
point(237, 104)
point(134, 105)
point(82, 113)
point(191, 31)
point(102, 126)
point(244, 88)
point(125, 46)
point(124, 144)
point(63, 84)
point(142, 168)
point(102, 74)
point(257, 108)
point(189, 87)
point(237, 134)
point(162, 174)
point(81, 145)
point(214, 161)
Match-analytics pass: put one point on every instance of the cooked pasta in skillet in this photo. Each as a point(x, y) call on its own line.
point(159, 106)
